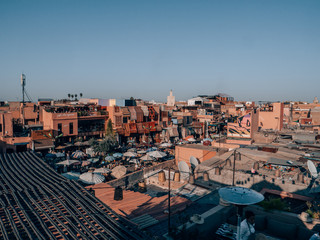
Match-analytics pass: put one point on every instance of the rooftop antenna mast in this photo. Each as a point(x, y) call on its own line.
point(23, 83)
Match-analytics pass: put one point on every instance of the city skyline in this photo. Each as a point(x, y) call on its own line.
point(255, 51)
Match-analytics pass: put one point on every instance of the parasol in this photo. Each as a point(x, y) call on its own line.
point(147, 158)
point(157, 154)
point(109, 158)
point(91, 178)
point(68, 162)
point(102, 170)
point(119, 171)
point(130, 154)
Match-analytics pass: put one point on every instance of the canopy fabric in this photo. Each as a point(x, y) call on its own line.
point(117, 155)
point(119, 171)
point(165, 144)
point(68, 162)
point(109, 158)
point(102, 170)
point(157, 154)
point(85, 163)
point(207, 139)
point(132, 150)
point(141, 151)
point(136, 161)
point(59, 154)
point(78, 154)
point(191, 140)
point(147, 158)
point(71, 175)
point(91, 178)
point(93, 160)
point(130, 154)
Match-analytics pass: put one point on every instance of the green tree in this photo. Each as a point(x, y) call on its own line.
point(108, 144)
point(109, 130)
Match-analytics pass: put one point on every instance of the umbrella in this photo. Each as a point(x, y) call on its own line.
point(71, 175)
point(102, 170)
point(68, 162)
point(132, 150)
point(109, 158)
point(91, 178)
point(85, 163)
point(119, 171)
point(207, 139)
point(130, 154)
point(78, 154)
point(117, 155)
point(141, 151)
point(157, 154)
point(59, 154)
point(166, 145)
point(147, 158)
point(191, 140)
point(93, 160)
point(135, 161)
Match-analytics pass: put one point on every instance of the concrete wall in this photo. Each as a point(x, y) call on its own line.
point(184, 153)
point(51, 121)
point(6, 122)
point(226, 178)
point(273, 119)
point(133, 178)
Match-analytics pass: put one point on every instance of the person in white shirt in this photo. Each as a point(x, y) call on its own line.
point(247, 226)
point(315, 236)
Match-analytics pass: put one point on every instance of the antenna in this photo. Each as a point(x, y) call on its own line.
point(23, 84)
point(312, 169)
point(193, 162)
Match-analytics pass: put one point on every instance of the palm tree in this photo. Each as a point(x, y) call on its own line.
point(76, 95)
point(81, 95)
point(69, 95)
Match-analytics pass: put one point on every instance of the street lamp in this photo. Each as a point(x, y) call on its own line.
point(236, 156)
point(169, 193)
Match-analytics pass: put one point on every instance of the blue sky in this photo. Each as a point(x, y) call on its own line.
point(252, 50)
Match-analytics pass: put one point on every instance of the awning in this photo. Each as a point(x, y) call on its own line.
point(43, 144)
point(21, 144)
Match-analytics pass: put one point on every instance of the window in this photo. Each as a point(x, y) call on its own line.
point(70, 128)
point(118, 120)
point(59, 127)
point(0, 127)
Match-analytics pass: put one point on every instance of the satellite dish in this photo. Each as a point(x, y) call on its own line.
point(193, 162)
point(312, 169)
point(184, 169)
point(240, 195)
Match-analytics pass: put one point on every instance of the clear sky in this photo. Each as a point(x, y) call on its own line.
point(252, 50)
